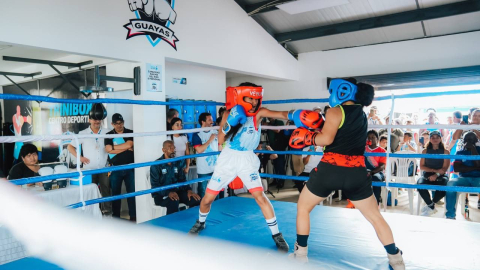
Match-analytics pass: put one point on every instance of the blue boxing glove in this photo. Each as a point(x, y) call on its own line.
point(236, 116)
point(306, 119)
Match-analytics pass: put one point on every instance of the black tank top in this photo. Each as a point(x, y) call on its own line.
point(351, 137)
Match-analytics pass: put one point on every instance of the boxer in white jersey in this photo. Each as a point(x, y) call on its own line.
point(241, 133)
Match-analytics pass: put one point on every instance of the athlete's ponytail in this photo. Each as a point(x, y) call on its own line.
point(365, 94)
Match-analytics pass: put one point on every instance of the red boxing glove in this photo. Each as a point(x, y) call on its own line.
point(306, 119)
point(302, 137)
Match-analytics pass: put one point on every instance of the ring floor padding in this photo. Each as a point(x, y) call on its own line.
point(339, 239)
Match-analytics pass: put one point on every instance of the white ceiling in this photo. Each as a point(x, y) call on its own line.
point(24, 52)
point(278, 21)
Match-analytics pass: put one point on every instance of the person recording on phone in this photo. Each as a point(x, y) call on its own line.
point(472, 119)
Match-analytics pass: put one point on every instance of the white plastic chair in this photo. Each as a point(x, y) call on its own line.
point(162, 211)
point(401, 176)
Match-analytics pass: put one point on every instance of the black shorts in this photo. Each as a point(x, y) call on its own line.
point(353, 181)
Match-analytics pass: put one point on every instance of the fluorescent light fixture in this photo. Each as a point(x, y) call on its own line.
point(302, 6)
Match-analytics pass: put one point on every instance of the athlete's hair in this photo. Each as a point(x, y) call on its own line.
point(365, 94)
point(203, 117)
point(233, 131)
point(374, 132)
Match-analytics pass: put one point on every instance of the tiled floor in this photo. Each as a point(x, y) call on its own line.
point(289, 194)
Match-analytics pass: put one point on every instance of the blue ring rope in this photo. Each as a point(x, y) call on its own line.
point(137, 193)
point(31, 180)
point(301, 178)
point(187, 102)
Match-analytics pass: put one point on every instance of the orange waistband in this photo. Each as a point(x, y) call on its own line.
point(343, 160)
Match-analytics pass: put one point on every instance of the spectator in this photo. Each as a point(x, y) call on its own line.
point(182, 146)
point(28, 167)
point(310, 162)
point(474, 118)
point(373, 118)
point(205, 142)
point(408, 144)
point(395, 138)
point(469, 171)
point(278, 142)
point(456, 119)
point(423, 141)
point(434, 172)
point(264, 158)
point(120, 152)
point(375, 165)
point(432, 120)
point(94, 154)
point(221, 111)
point(383, 142)
point(449, 120)
point(169, 174)
point(172, 113)
point(410, 122)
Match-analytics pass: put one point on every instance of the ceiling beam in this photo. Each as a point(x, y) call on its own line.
point(382, 21)
point(265, 6)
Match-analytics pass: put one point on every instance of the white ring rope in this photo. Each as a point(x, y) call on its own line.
point(36, 138)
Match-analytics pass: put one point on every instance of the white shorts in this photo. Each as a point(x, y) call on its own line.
point(233, 163)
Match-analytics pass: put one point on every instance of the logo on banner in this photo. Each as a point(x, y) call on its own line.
point(154, 18)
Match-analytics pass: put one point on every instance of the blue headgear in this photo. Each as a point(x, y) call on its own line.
point(341, 91)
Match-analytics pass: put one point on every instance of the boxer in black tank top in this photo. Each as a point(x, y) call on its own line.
point(344, 137)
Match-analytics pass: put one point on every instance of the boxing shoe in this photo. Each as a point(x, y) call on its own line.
point(300, 254)
point(396, 261)
point(280, 242)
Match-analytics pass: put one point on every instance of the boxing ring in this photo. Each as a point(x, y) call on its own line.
point(340, 238)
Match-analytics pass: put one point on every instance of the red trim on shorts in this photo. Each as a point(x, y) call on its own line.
point(343, 160)
point(213, 192)
point(197, 145)
point(255, 189)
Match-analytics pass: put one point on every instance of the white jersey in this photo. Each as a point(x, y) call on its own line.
point(247, 138)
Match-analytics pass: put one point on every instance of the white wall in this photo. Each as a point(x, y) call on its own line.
point(202, 83)
point(216, 33)
point(423, 54)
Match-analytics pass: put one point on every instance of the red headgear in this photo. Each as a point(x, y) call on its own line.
point(235, 97)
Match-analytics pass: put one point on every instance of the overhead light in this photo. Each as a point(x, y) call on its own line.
point(302, 6)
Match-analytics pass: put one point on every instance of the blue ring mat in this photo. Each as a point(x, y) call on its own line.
point(339, 239)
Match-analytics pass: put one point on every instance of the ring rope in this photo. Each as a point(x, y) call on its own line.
point(285, 177)
point(31, 180)
point(188, 102)
point(138, 193)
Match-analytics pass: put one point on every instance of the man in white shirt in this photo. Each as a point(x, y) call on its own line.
point(205, 142)
point(310, 162)
point(93, 154)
